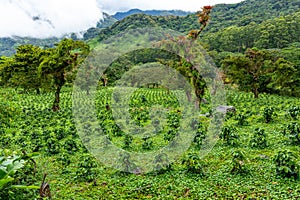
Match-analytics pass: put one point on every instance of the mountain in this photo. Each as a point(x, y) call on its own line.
point(106, 21)
point(222, 16)
point(103, 23)
point(243, 13)
point(122, 15)
point(9, 44)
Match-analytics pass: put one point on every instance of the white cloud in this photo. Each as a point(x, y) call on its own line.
point(112, 6)
point(46, 18)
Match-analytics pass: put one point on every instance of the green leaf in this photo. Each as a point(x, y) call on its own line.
point(26, 187)
point(3, 173)
point(3, 182)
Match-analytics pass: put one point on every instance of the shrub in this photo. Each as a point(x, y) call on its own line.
point(241, 120)
point(86, 169)
point(229, 135)
point(238, 163)
point(293, 112)
point(199, 137)
point(293, 133)
point(259, 138)
point(147, 144)
point(286, 165)
point(193, 164)
point(268, 114)
point(162, 163)
point(127, 141)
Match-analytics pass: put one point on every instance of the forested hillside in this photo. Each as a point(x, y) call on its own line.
point(8, 45)
point(273, 33)
point(223, 16)
point(149, 123)
point(122, 15)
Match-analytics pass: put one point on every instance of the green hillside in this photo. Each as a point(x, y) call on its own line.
point(122, 15)
point(130, 121)
point(222, 16)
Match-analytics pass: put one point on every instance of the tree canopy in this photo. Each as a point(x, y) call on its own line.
point(35, 68)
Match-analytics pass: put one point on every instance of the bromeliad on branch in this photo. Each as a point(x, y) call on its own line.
point(203, 18)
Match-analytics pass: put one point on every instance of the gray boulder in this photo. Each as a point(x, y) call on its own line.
point(225, 109)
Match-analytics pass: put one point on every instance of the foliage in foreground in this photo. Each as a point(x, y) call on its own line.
point(226, 172)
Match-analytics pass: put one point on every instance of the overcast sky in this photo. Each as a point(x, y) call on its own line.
point(46, 18)
point(112, 6)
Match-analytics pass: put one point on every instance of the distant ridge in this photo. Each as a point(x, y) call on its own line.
point(122, 15)
point(223, 16)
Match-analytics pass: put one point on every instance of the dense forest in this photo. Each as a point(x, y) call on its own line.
point(57, 107)
point(224, 16)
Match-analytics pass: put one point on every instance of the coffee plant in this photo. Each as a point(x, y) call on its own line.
point(242, 119)
point(259, 139)
point(268, 114)
point(74, 174)
point(238, 163)
point(292, 131)
point(293, 112)
point(127, 141)
point(286, 164)
point(193, 164)
point(86, 169)
point(147, 144)
point(162, 163)
point(199, 137)
point(229, 135)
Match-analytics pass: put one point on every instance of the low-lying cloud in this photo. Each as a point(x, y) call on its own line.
point(47, 18)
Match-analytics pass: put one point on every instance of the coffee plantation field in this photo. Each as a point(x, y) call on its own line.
point(256, 157)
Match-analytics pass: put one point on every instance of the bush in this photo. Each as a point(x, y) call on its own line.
point(127, 140)
point(292, 131)
point(268, 114)
point(8, 111)
point(193, 164)
point(259, 138)
point(229, 135)
point(86, 169)
point(241, 120)
point(286, 165)
point(238, 163)
point(293, 112)
point(147, 144)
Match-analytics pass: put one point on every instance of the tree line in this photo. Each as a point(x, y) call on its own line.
point(36, 68)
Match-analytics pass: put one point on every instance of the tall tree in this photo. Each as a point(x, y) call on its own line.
point(21, 69)
point(250, 70)
point(61, 63)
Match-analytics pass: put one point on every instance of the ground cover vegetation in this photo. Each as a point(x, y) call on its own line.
point(256, 156)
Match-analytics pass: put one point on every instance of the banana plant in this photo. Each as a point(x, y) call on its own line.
point(8, 167)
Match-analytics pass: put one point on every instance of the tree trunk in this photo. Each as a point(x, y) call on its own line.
point(188, 95)
point(55, 106)
point(197, 104)
point(255, 86)
point(38, 92)
point(255, 92)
